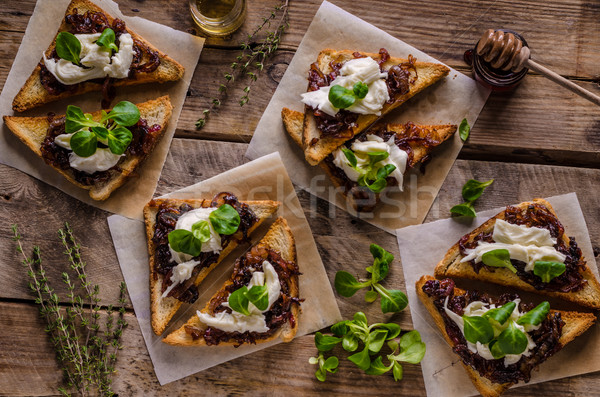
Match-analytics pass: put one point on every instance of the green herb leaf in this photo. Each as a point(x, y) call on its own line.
point(385, 171)
point(376, 340)
point(201, 231)
point(412, 348)
point(325, 342)
point(68, 47)
point(548, 270)
point(119, 139)
point(107, 40)
point(377, 186)
point(498, 258)
point(392, 301)
point(463, 129)
point(350, 156)
point(478, 329)
point(473, 189)
point(225, 220)
point(464, 209)
point(371, 296)
point(340, 97)
point(381, 262)
point(184, 241)
point(320, 375)
point(376, 157)
point(101, 132)
point(397, 371)
point(346, 285)
point(349, 343)
point(512, 340)
point(259, 296)
point(340, 328)
point(77, 120)
point(361, 359)
point(501, 314)
point(536, 315)
point(238, 300)
point(392, 328)
point(124, 113)
point(360, 89)
point(360, 319)
point(331, 364)
point(497, 353)
point(84, 143)
point(377, 367)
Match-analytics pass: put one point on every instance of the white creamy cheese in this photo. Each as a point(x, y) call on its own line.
point(186, 221)
point(365, 70)
point(97, 61)
point(102, 160)
point(478, 308)
point(181, 273)
point(526, 244)
point(374, 143)
point(255, 322)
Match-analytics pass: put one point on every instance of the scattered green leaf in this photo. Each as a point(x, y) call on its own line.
point(548, 270)
point(463, 129)
point(68, 47)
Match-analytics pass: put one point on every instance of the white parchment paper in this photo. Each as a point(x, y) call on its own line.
point(423, 246)
point(47, 16)
point(261, 179)
point(447, 102)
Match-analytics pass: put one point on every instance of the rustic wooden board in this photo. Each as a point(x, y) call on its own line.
point(563, 34)
point(342, 240)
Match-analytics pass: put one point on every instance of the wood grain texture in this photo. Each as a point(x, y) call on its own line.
point(563, 34)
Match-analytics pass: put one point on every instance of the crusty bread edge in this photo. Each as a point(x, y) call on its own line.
point(576, 323)
point(450, 266)
point(288, 251)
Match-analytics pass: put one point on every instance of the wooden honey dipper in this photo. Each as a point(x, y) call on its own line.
point(506, 52)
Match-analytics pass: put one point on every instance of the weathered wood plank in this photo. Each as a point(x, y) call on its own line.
point(563, 34)
point(342, 241)
point(30, 369)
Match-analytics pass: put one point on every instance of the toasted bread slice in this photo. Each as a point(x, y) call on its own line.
point(293, 122)
point(279, 238)
point(163, 309)
point(32, 131)
point(450, 266)
point(317, 147)
point(33, 93)
point(575, 323)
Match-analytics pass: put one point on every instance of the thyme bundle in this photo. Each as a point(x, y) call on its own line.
point(251, 61)
point(85, 350)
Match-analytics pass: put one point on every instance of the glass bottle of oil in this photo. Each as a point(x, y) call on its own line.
point(218, 17)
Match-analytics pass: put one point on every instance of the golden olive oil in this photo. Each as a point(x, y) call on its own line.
point(218, 17)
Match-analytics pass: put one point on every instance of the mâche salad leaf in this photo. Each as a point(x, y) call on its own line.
point(391, 300)
point(111, 129)
point(240, 299)
point(498, 258)
point(224, 220)
point(471, 191)
point(342, 98)
point(68, 47)
point(365, 341)
point(107, 40)
point(547, 270)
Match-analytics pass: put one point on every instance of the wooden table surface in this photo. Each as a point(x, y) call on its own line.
point(537, 141)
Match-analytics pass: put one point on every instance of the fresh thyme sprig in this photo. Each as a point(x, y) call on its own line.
point(251, 61)
point(86, 351)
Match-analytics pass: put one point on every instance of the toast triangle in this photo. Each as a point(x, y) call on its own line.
point(279, 238)
point(163, 309)
point(450, 266)
point(293, 123)
point(33, 93)
point(32, 132)
point(428, 74)
point(576, 323)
